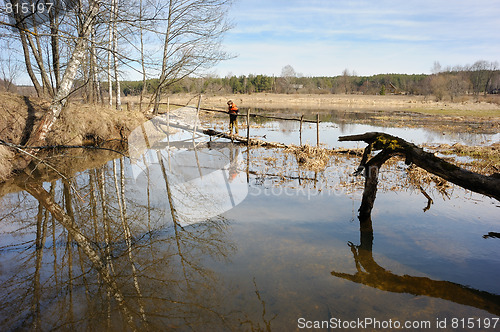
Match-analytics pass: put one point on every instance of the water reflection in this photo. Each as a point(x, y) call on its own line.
point(370, 273)
point(125, 246)
point(201, 179)
point(112, 249)
point(102, 269)
point(414, 128)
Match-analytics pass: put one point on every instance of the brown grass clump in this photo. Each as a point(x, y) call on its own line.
point(419, 178)
point(491, 153)
point(310, 157)
point(80, 123)
point(18, 116)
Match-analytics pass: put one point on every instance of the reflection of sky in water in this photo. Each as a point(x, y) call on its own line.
point(290, 245)
point(329, 133)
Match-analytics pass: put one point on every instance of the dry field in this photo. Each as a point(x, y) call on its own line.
point(466, 106)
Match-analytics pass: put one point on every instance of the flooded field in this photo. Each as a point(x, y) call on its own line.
point(192, 233)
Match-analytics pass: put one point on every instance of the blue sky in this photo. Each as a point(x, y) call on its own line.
point(320, 37)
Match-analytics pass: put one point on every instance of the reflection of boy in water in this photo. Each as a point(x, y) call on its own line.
point(233, 117)
point(233, 166)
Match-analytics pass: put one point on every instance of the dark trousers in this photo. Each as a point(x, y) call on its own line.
point(233, 123)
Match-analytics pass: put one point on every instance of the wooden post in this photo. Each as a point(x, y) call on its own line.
point(168, 117)
point(248, 127)
point(300, 132)
point(248, 164)
point(317, 129)
point(197, 116)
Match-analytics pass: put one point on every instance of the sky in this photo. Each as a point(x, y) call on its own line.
point(324, 37)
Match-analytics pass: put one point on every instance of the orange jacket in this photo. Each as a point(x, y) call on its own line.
point(233, 109)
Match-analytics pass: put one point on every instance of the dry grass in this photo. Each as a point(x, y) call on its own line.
point(310, 157)
point(353, 101)
point(472, 110)
point(418, 179)
point(79, 123)
point(484, 159)
point(18, 115)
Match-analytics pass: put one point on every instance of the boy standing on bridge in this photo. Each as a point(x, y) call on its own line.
point(233, 117)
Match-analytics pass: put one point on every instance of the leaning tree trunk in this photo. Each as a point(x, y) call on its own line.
point(392, 145)
point(39, 135)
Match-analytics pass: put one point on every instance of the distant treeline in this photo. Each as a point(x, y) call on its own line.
point(449, 84)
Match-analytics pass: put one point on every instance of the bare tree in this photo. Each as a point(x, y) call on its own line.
point(9, 67)
point(143, 63)
point(438, 86)
point(456, 85)
point(62, 50)
point(481, 74)
point(346, 81)
point(287, 79)
point(192, 39)
point(114, 42)
point(436, 67)
point(61, 96)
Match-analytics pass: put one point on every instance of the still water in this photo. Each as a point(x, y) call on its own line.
point(221, 237)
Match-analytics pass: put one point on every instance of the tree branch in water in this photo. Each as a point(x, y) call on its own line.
point(392, 146)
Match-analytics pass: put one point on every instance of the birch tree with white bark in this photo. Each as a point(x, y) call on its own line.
point(66, 50)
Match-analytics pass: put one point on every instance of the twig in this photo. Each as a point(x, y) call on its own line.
point(16, 146)
point(46, 163)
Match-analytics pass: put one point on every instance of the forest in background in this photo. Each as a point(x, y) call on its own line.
point(444, 84)
point(482, 78)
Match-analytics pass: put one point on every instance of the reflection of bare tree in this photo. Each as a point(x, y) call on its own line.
point(41, 235)
point(255, 326)
point(370, 273)
point(111, 266)
point(120, 194)
point(37, 191)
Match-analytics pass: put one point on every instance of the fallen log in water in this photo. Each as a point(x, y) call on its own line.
point(237, 138)
point(392, 146)
point(249, 141)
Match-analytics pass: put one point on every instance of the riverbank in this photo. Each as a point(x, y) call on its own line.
point(79, 124)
